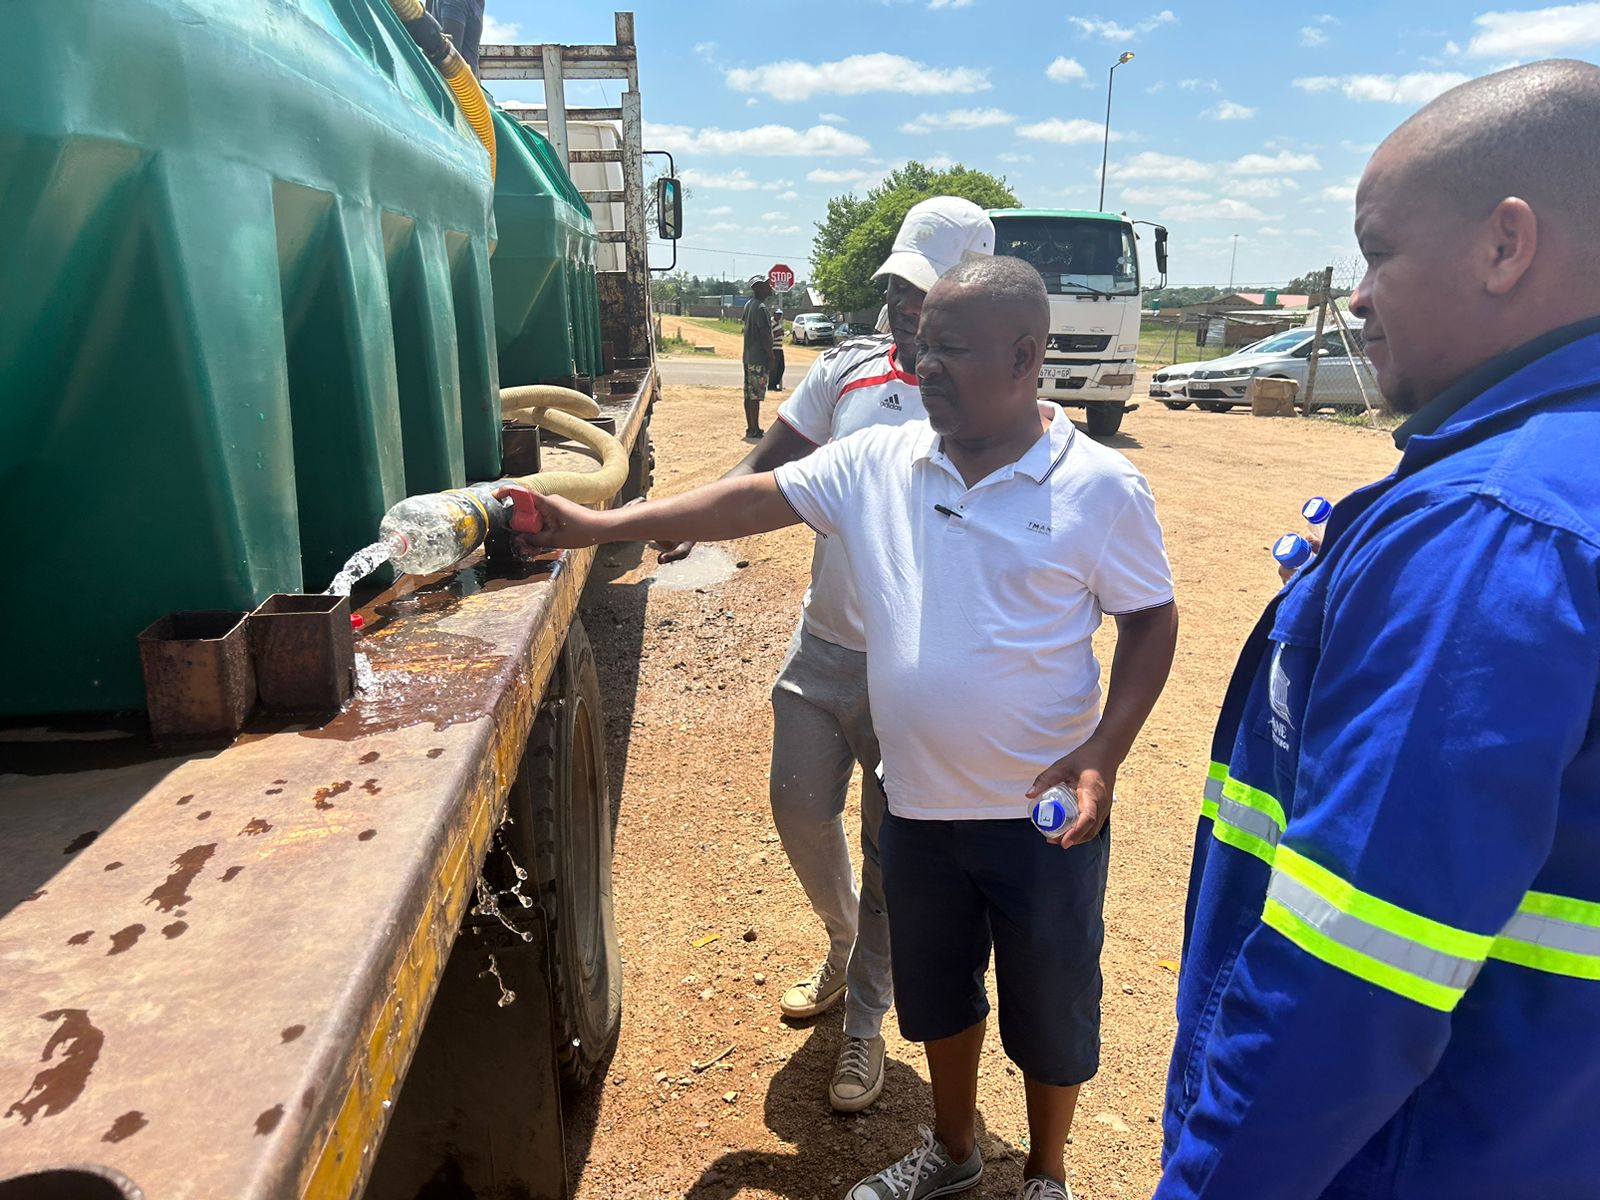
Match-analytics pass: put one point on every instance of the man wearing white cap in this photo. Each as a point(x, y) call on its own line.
point(821, 724)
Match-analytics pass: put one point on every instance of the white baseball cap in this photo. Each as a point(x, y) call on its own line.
point(936, 235)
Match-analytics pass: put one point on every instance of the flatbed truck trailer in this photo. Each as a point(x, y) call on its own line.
point(360, 956)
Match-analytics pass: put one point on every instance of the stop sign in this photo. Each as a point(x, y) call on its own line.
point(781, 278)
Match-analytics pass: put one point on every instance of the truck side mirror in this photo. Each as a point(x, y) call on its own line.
point(669, 208)
point(1161, 251)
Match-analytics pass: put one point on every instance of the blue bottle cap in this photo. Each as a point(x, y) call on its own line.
point(1292, 550)
point(1316, 510)
point(1049, 816)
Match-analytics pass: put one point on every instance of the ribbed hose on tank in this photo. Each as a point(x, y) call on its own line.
point(560, 410)
point(458, 77)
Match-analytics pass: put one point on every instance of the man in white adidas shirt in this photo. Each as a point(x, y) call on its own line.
point(985, 544)
point(821, 727)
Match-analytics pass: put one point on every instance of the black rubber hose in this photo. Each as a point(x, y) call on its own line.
point(425, 32)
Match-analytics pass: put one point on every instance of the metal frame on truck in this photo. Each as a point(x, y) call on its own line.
point(355, 957)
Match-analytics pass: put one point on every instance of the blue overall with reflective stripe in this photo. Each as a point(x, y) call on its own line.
point(1391, 970)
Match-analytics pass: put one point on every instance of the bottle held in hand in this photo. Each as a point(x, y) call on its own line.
point(1054, 810)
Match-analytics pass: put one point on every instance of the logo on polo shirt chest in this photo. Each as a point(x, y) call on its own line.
point(1038, 527)
point(891, 402)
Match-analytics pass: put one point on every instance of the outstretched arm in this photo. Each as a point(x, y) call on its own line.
point(728, 508)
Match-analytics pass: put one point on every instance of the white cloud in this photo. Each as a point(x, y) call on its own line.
point(724, 227)
point(1358, 147)
point(1261, 189)
point(774, 216)
point(736, 180)
point(1416, 88)
point(771, 140)
point(958, 118)
point(1344, 192)
point(1200, 85)
point(939, 162)
point(705, 50)
point(1015, 158)
point(791, 194)
point(849, 178)
point(1096, 26)
point(1537, 33)
point(497, 32)
point(1064, 70)
point(786, 230)
point(1311, 37)
point(721, 210)
point(1075, 132)
point(1452, 49)
point(1162, 195)
point(937, 4)
point(1172, 168)
point(1227, 110)
point(1273, 164)
point(1269, 231)
point(832, 119)
point(1214, 210)
point(854, 76)
point(751, 102)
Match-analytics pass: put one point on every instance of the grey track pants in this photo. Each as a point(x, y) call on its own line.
point(821, 728)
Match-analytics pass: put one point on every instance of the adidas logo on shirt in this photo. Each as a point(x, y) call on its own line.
point(891, 402)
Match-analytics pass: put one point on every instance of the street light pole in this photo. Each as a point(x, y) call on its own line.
point(1233, 260)
point(1105, 147)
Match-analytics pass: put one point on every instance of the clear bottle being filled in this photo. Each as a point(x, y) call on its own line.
point(437, 530)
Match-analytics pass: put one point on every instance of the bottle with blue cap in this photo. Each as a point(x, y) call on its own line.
point(1054, 810)
point(1292, 551)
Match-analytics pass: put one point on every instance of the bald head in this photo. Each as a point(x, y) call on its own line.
point(1531, 131)
point(1008, 283)
point(1479, 219)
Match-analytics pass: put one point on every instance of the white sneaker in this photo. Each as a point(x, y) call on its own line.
point(814, 995)
point(924, 1173)
point(1040, 1188)
point(858, 1075)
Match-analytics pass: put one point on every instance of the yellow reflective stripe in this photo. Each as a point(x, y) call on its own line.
point(1267, 805)
point(1217, 770)
point(1558, 934)
point(1363, 966)
point(1435, 935)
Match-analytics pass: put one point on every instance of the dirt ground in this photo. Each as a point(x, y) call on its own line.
point(714, 925)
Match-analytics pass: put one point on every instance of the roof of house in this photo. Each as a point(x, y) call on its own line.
point(1284, 299)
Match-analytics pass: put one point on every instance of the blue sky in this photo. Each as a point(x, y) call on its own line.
point(1234, 117)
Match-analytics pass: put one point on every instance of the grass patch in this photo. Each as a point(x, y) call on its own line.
point(1360, 419)
point(1156, 348)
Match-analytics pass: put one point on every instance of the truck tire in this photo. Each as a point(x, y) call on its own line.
point(641, 469)
point(1104, 419)
point(570, 826)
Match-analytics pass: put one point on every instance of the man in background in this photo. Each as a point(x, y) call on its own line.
point(462, 21)
point(757, 354)
point(775, 384)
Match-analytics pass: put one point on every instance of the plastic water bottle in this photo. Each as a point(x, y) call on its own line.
point(1292, 551)
point(1316, 511)
point(434, 531)
point(1054, 810)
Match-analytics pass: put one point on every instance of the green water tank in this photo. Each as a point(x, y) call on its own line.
point(546, 306)
point(244, 308)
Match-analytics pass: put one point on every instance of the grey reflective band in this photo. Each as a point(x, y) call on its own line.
point(1446, 970)
point(1252, 821)
point(1553, 933)
point(1213, 789)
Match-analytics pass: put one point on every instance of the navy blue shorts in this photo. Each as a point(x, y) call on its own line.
point(954, 888)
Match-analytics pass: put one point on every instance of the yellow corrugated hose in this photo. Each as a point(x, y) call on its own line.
point(459, 78)
point(560, 410)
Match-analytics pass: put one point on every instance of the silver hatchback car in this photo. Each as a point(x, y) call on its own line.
point(1220, 384)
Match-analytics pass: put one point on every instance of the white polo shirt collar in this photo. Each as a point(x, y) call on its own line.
point(1038, 463)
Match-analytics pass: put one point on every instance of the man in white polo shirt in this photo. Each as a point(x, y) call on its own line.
point(821, 726)
point(985, 545)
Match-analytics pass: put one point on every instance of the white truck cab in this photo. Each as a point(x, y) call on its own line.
point(1090, 265)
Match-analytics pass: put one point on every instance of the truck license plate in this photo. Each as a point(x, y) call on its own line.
point(1055, 372)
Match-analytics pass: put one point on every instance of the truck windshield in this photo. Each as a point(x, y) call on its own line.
point(1076, 255)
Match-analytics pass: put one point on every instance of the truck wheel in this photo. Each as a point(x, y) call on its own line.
point(571, 832)
point(1104, 419)
point(641, 469)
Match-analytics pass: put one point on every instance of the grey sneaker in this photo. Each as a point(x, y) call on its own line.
point(1040, 1188)
point(858, 1075)
point(921, 1175)
point(817, 994)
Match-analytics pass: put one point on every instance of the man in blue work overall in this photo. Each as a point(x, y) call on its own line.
point(1391, 972)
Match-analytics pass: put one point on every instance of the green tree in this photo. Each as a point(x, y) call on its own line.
point(857, 234)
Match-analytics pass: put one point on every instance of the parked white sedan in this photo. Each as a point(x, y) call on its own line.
point(810, 328)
